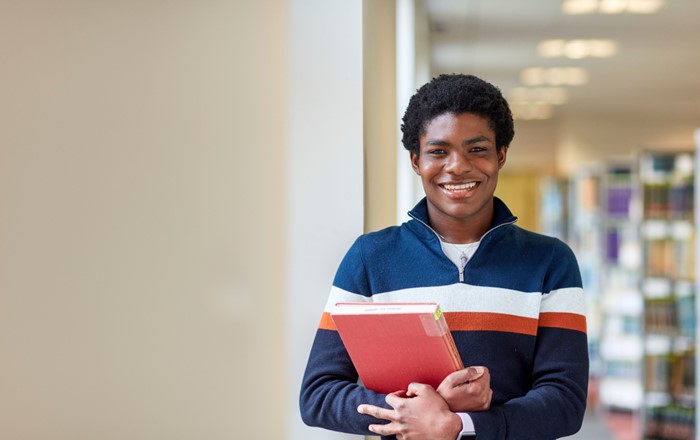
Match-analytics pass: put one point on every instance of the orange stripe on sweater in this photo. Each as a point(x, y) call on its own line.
point(465, 321)
point(326, 322)
point(570, 321)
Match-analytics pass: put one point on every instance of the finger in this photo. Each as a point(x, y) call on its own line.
point(487, 401)
point(395, 399)
point(382, 429)
point(418, 389)
point(474, 373)
point(376, 412)
point(464, 376)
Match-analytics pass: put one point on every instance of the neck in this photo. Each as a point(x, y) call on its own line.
point(461, 231)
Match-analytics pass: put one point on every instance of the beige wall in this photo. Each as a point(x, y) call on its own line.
point(380, 115)
point(142, 170)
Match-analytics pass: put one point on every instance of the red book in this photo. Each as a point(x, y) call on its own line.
point(394, 344)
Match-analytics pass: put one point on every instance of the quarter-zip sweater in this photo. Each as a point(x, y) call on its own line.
point(519, 311)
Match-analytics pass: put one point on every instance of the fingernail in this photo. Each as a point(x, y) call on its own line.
point(476, 372)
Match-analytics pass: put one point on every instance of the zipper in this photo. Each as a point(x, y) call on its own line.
point(461, 270)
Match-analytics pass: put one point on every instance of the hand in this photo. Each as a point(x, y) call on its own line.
point(467, 390)
point(418, 414)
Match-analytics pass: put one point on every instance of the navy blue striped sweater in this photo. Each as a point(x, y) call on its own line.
point(519, 311)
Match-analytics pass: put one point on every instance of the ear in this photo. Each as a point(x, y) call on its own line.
point(502, 153)
point(414, 162)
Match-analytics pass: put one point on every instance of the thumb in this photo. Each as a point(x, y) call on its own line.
point(464, 376)
point(475, 372)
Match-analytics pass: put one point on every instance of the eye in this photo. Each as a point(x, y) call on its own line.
point(478, 149)
point(436, 151)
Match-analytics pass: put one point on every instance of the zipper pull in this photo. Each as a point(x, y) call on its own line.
point(463, 259)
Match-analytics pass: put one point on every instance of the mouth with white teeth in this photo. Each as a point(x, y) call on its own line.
point(460, 188)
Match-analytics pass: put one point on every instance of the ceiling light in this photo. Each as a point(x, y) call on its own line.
point(551, 48)
point(532, 111)
point(554, 76)
point(577, 76)
point(532, 76)
point(577, 49)
point(577, 7)
point(612, 6)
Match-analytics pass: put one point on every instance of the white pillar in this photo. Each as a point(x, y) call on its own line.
point(412, 71)
point(324, 167)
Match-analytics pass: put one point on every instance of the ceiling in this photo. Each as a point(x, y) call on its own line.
point(655, 73)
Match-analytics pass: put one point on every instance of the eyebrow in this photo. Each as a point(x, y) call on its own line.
point(474, 140)
point(443, 143)
point(438, 142)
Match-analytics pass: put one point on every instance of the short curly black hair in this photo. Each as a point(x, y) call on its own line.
point(456, 93)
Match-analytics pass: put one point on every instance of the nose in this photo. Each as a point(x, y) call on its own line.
point(458, 163)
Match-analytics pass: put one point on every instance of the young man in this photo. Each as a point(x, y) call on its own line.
point(512, 298)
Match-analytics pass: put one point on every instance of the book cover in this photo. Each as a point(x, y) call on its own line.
point(394, 344)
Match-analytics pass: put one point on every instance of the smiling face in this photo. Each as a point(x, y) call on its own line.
point(458, 165)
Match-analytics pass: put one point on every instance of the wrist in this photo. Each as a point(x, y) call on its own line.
point(454, 426)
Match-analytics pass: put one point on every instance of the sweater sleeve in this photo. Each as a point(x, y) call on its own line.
point(555, 404)
point(330, 392)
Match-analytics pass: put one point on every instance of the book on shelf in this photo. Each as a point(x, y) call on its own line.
point(395, 344)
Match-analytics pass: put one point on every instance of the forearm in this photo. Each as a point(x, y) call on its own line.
point(532, 417)
point(332, 404)
point(555, 405)
point(330, 394)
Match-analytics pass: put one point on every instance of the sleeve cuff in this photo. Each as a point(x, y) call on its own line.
point(467, 425)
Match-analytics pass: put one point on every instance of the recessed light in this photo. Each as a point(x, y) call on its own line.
point(575, 7)
point(612, 6)
point(554, 76)
point(533, 111)
point(579, 7)
point(551, 48)
point(577, 49)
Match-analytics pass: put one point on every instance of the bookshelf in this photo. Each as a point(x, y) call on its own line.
point(621, 347)
point(667, 237)
point(584, 235)
point(553, 218)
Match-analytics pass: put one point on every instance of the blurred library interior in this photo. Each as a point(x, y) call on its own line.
point(617, 182)
point(180, 180)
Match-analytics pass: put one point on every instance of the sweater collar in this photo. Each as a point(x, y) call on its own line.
point(501, 215)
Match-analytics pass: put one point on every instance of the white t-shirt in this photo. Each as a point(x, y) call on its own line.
point(460, 254)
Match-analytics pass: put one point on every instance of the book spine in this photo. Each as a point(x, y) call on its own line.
point(449, 341)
